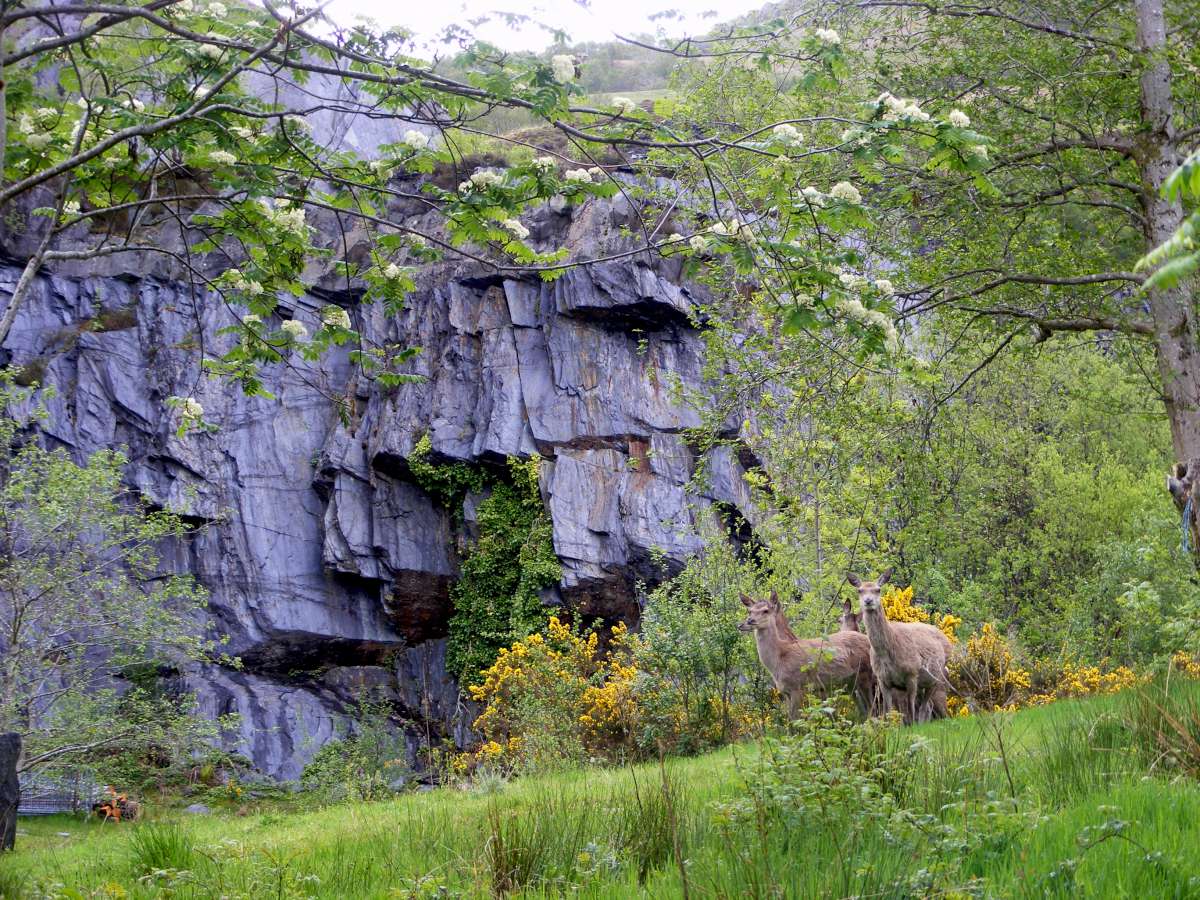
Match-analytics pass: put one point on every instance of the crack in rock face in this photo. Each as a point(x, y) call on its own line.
point(326, 564)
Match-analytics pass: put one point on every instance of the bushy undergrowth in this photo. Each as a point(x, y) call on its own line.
point(369, 764)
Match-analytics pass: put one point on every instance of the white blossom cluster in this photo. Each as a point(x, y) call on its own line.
point(900, 109)
point(698, 242)
point(242, 131)
point(827, 36)
point(34, 126)
point(217, 10)
point(209, 51)
point(335, 317)
point(222, 158)
point(788, 135)
point(624, 105)
point(515, 228)
point(856, 136)
point(544, 164)
point(563, 67)
point(294, 330)
point(134, 104)
point(240, 282)
point(71, 208)
point(853, 308)
point(481, 181)
point(289, 217)
point(845, 191)
point(191, 411)
point(813, 196)
point(959, 119)
point(250, 320)
point(392, 272)
point(416, 140)
point(580, 176)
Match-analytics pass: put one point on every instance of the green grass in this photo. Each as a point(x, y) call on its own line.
point(1076, 799)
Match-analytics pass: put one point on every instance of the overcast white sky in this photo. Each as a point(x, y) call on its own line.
point(598, 21)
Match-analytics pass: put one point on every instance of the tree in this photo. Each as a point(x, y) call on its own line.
point(1091, 105)
point(89, 621)
point(130, 123)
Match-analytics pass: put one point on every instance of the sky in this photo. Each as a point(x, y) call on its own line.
point(591, 20)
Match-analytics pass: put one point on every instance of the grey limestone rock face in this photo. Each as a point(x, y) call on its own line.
point(327, 566)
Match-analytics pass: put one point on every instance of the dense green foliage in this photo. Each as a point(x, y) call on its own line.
point(497, 598)
point(1064, 801)
point(448, 483)
point(91, 622)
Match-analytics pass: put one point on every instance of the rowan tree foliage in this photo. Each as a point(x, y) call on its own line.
point(89, 619)
point(126, 122)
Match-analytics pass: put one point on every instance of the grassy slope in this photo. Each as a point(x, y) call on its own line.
point(1066, 763)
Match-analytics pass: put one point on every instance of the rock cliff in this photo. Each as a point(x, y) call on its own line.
point(327, 565)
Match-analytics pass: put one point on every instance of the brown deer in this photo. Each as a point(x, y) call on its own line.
point(908, 659)
point(822, 665)
point(849, 619)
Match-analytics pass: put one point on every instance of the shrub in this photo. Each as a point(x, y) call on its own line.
point(699, 682)
point(370, 764)
point(554, 698)
point(988, 675)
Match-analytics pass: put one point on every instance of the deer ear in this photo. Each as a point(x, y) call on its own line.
point(854, 579)
point(774, 599)
point(746, 601)
point(884, 577)
point(847, 607)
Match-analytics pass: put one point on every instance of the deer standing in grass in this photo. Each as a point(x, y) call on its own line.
point(908, 659)
point(822, 665)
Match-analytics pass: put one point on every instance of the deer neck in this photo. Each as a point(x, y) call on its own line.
point(771, 642)
point(878, 631)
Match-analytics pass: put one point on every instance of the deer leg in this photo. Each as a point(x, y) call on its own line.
point(938, 699)
point(793, 705)
point(910, 691)
point(882, 698)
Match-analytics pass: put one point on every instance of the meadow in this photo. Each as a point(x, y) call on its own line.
point(1085, 798)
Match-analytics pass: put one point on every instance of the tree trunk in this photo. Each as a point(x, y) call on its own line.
point(10, 789)
point(1175, 326)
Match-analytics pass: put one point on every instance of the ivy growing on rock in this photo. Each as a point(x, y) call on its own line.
point(450, 483)
point(497, 598)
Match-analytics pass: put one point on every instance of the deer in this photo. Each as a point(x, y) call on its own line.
point(798, 665)
point(850, 619)
point(908, 659)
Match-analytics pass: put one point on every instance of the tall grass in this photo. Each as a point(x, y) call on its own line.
point(161, 847)
point(1074, 799)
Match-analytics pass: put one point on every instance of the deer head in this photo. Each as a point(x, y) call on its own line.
point(869, 591)
point(760, 613)
point(849, 616)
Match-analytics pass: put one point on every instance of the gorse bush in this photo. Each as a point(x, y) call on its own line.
point(559, 697)
point(555, 698)
point(989, 674)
